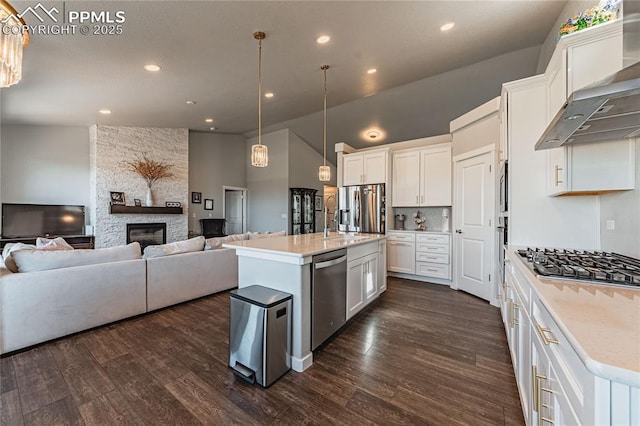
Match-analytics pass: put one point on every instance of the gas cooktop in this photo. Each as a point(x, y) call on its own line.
point(591, 266)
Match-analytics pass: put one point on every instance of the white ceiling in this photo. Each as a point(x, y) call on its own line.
point(208, 54)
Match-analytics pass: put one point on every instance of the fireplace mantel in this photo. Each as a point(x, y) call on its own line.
point(117, 209)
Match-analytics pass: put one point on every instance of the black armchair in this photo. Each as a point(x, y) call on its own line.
point(213, 227)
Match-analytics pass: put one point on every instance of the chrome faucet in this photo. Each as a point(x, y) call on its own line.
point(325, 231)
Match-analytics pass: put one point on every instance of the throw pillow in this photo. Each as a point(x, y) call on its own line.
point(188, 246)
point(216, 243)
point(9, 250)
point(42, 260)
point(258, 236)
point(52, 244)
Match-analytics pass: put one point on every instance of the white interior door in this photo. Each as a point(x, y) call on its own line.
point(234, 211)
point(473, 213)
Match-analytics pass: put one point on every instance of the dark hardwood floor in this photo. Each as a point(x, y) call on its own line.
point(422, 354)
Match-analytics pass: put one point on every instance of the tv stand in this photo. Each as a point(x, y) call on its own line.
point(76, 241)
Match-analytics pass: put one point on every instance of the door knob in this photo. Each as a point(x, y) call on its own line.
point(458, 231)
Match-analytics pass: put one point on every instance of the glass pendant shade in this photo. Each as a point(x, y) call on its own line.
point(259, 152)
point(324, 174)
point(259, 156)
point(13, 38)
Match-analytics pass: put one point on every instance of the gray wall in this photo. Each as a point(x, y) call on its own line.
point(269, 186)
point(415, 110)
point(624, 208)
point(45, 164)
point(215, 160)
point(467, 139)
point(303, 170)
point(572, 8)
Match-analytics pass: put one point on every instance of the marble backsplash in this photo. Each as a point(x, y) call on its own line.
point(433, 215)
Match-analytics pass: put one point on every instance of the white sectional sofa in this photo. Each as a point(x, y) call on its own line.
point(43, 305)
point(181, 277)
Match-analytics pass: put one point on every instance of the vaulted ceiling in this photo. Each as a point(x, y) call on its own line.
point(207, 54)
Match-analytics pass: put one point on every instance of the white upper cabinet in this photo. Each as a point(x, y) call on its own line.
point(579, 60)
point(406, 178)
point(422, 177)
point(365, 168)
point(435, 177)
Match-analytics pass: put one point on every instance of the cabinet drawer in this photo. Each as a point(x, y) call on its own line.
point(576, 380)
point(432, 257)
point(436, 270)
point(432, 248)
point(406, 237)
point(432, 238)
point(362, 250)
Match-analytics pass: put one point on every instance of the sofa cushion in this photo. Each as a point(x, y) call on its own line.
point(41, 260)
point(216, 243)
point(57, 243)
point(258, 236)
point(9, 250)
point(188, 246)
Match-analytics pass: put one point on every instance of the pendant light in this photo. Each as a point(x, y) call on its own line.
point(259, 152)
point(13, 39)
point(324, 172)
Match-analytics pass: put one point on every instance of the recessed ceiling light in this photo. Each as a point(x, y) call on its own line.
point(372, 71)
point(152, 67)
point(323, 39)
point(209, 120)
point(105, 111)
point(373, 134)
point(268, 95)
point(447, 26)
point(191, 102)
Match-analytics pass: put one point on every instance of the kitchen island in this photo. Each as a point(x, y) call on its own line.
point(285, 264)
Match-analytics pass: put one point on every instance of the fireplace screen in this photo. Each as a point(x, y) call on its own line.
point(147, 233)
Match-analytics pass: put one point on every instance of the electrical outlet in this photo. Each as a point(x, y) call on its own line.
point(283, 216)
point(194, 215)
point(210, 215)
point(611, 225)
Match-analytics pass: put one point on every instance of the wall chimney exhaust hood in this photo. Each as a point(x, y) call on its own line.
point(606, 110)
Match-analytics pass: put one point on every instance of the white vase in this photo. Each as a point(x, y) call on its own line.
point(149, 202)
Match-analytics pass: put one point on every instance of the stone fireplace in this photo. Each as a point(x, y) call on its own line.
point(110, 148)
point(147, 233)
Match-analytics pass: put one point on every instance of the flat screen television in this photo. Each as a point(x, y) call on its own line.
point(38, 220)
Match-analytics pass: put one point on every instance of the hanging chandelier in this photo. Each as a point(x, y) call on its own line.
point(13, 38)
point(259, 152)
point(324, 172)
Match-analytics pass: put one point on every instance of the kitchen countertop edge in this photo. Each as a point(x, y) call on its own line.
point(339, 244)
point(599, 368)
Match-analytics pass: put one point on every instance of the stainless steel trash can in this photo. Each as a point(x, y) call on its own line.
point(260, 334)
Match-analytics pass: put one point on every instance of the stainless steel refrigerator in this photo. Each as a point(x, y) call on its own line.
point(362, 209)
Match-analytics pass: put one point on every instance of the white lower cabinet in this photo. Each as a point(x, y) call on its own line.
point(362, 282)
point(422, 254)
point(401, 252)
point(382, 266)
point(555, 386)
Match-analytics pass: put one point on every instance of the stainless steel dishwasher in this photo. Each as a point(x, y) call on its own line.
point(328, 295)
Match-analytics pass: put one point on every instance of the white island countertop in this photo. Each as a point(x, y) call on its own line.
point(601, 322)
point(300, 248)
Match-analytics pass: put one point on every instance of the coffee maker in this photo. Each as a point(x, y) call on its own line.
point(400, 218)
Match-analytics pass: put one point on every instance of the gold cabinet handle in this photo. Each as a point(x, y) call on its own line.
point(543, 335)
point(557, 175)
point(515, 308)
point(534, 387)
